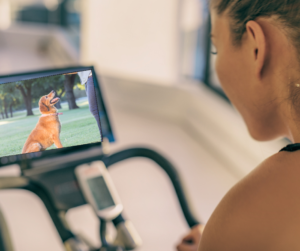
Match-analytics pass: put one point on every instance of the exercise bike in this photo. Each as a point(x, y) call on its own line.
point(46, 176)
point(53, 175)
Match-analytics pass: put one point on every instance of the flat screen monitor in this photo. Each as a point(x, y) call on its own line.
point(51, 110)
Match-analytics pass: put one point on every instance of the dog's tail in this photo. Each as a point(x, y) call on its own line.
point(33, 147)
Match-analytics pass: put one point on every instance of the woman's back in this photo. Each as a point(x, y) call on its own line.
point(261, 212)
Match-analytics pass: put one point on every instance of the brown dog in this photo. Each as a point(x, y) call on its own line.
point(46, 133)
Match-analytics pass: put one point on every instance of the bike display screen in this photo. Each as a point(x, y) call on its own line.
point(100, 192)
point(50, 110)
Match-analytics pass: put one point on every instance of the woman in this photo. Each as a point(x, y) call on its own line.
point(258, 63)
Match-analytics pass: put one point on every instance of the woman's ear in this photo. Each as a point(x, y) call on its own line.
point(257, 40)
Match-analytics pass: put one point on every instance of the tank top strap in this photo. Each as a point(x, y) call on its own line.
point(291, 147)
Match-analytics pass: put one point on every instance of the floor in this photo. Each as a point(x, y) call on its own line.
point(148, 197)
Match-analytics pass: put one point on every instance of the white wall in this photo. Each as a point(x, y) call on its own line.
point(132, 38)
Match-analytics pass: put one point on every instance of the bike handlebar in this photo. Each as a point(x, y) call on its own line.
point(167, 166)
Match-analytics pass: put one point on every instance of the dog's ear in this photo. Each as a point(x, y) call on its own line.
point(43, 107)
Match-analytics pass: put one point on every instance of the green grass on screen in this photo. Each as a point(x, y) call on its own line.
point(78, 127)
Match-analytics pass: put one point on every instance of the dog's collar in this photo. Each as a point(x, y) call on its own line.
point(52, 114)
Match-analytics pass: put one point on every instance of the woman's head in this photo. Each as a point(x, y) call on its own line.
point(258, 62)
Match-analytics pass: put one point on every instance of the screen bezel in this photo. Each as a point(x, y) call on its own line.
point(4, 79)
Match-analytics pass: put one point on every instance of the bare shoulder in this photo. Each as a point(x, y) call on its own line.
point(261, 212)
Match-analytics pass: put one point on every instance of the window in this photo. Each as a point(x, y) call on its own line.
point(197, 60)
point(60, 13)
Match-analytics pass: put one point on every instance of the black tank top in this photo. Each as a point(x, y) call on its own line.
point(291, 147)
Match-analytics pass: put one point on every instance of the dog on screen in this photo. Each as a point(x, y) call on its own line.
point(47, 131)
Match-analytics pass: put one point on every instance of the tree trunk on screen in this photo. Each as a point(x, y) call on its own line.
point(5, 109)
point(26, 93)
point(10, 110)
point(69, 85)
point(5, 113)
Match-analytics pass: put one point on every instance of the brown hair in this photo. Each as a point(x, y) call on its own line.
point(241, 11)
point(286, 13)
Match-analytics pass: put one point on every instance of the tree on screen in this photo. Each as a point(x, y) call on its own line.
point(9, 98)
point(52, 83)
point(14, 100)
point(63, 85)
point(69, 87)
point(25, 88)
point(2, 102)
point(33, 89)
point(27, 93)
point(2, 109)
